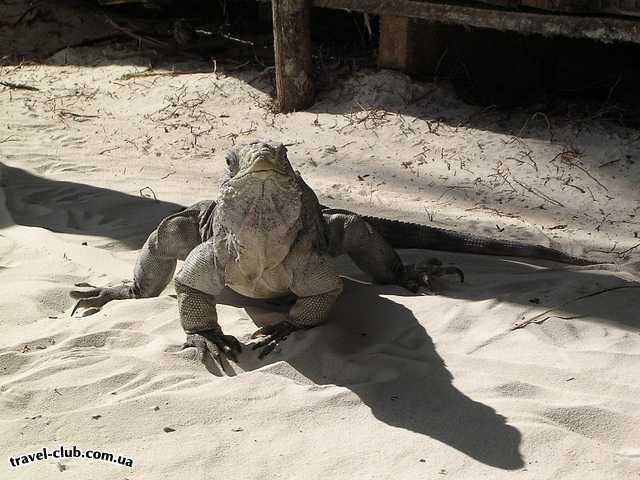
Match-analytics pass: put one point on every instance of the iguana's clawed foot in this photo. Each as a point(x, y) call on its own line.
point(99, 296)
point(273, 335)
point(418, 276)
point(215, 343)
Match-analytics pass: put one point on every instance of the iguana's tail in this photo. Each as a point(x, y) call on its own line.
point(413, 235)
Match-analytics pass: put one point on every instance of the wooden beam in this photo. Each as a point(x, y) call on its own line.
point(606, 29)
point(292, 44)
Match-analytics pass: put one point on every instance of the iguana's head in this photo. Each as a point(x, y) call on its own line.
point(260, 195)
point(256, 162)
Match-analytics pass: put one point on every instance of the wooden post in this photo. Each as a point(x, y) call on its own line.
point(292, 44)
point(412, 45)
point(396, 42)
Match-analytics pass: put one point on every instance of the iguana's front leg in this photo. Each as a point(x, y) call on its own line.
point(198, 283)
point(174, 238)
point(198, 316)
point(350, 234)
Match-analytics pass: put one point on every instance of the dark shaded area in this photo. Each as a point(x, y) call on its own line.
point(567, 80)
point(506, 69)
point(68, 207)
point(150, 31)
point(33, 30)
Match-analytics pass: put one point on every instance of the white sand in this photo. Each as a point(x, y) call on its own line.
point(395, 385)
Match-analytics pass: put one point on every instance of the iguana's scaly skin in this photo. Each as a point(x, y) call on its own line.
point(267, 237)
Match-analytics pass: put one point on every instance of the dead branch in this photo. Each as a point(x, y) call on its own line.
point(546, 119)
point(19, 86)
point(610, 162)
point(108, 150)
point(27, 12)
point(156, 73)
point(503, 173)
point(148, 189)
point(252, 128)
point(569, 157)
point(622, 253)
point(77, 116)
point(9, 139)
point(542, 317)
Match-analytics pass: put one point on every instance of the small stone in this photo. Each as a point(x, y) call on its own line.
point(156, 408)
point(96, 417)
point(422, 460)
point(239, 429)
point(169, 429)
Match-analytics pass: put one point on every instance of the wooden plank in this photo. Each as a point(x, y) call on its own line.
point(292, 45)
point(411, 44)
point(565, 6)
point(606, 29)
point(394, 50)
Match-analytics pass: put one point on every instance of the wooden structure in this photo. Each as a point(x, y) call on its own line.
point(292, 46)
point(589, 19)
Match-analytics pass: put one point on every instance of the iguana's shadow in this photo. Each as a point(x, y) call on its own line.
point(376, 348)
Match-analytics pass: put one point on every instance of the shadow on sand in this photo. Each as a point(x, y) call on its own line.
point(76, 208)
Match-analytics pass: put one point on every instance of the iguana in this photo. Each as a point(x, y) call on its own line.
point(267, 236)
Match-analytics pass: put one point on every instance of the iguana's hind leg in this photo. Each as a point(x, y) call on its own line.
point(175, 237)
point(350, 234)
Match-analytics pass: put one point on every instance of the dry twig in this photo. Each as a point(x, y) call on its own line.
point(542, 317)
point(18, 86)
point(148, 189)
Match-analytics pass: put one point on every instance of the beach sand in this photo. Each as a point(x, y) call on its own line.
point(395, 385)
